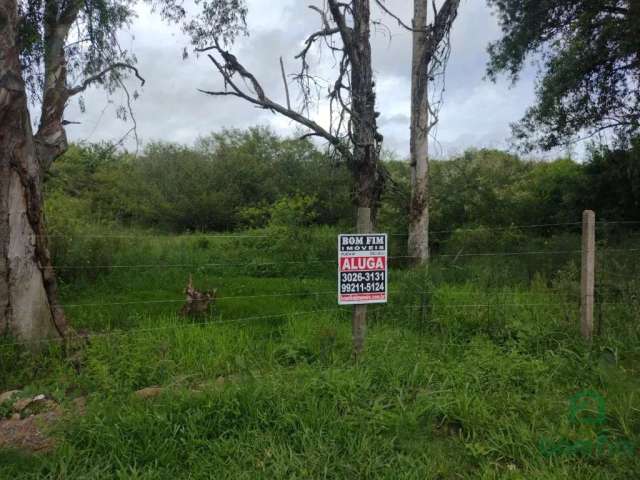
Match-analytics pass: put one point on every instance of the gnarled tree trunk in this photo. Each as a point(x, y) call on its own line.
point(365, 139)
point(51, 137)
point(28, 291)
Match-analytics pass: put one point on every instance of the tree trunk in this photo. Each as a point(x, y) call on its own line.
point(51, 137)
point(418, 243)
point(28, 290)
point(365, 140)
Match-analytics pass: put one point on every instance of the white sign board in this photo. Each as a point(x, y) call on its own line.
point(362, 268)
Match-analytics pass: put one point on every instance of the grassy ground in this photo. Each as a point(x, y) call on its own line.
point(465, 375)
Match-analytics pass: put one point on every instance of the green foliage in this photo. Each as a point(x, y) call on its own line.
point(394, 208)
point(587, 80)
point(75, 240)
point(493, 189)
point(93, 47)
point(482, 187)
point(229, 180)
point(556, 192)
point(614, 187)
point(252, 179)
point(219, 20)
point(294, 212)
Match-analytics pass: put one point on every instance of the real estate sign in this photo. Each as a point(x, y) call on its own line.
point(362, 268)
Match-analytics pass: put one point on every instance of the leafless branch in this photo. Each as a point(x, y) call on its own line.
point(131, 115)
point(119, 143)
point(323, 15)
point(345, 30)
point(286, 85)
point(313, 37)
point(308, 83)
point(327, 31)
point(232, 67)
point(384, 8)
point(441, 27)
point(97, 77)
point(308, 135)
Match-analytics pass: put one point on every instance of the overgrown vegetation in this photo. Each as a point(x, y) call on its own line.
point(470, 369)
point(234, 179)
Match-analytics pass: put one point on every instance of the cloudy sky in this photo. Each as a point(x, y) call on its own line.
point(476, 112)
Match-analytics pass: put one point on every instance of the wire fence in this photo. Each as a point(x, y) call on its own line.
point(421, 291)
point(223, 236)
point(308, 262)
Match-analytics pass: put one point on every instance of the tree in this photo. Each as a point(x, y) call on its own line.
point(588, 79)
point(430, 54)
point(44, 47)
point(354, 136)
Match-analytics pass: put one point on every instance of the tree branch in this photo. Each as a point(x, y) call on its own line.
point(314, 36)
point(441, 26)
point(381, 4)
point(345, 31)
point(286, 85)
point(323, 15)
point(232, 66)
point(97, 77)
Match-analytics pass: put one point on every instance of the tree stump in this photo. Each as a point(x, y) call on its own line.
point(197, 302)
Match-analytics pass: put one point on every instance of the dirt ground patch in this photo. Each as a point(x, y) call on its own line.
point(29, 419)
point(28, 434)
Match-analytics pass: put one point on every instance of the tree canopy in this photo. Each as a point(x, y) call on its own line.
point(88, 33)
point(589, 69)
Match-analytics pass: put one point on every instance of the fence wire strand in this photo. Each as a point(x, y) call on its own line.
point(428, 298)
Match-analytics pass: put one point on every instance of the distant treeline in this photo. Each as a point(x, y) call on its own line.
point(246, 179)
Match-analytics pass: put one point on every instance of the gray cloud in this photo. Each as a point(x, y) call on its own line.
point(475, 112)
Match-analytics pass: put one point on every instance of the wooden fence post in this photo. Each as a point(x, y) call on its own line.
point(587, 284)
point(359, 320)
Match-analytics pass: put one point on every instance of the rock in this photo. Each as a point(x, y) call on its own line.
point(21, 404)
point(38, 403)
point(7, 396)
point(149, 392)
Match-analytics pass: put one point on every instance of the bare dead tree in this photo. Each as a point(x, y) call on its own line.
point(352, 132)
point(431, 50)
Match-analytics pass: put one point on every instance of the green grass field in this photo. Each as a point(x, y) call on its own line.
point(471, 370)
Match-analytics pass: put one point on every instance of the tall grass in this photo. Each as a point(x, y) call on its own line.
point(469, 368)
